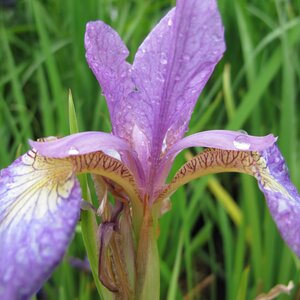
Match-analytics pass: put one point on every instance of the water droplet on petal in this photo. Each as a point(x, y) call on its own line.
point(282, 206)
point(73, 151)
point(170, 22)
point(241, 142)
point(113, 153)
point(164, 145)
point(243, 131)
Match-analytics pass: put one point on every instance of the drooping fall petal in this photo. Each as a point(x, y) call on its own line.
point(101, 164)
point(220, 139)
point(270, 170)
point(104, 165)
point(282, 196)
point(89, 142)
point(40, 204)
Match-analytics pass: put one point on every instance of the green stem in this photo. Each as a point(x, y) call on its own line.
point(148, 271)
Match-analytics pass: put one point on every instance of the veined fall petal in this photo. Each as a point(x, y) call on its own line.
point(90, 142)
point(270, 170)
point(219, 139)
point(281, 195)
point(40, 205)
point(101, 164)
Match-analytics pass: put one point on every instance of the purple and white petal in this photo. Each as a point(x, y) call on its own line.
point(282, 196)
point(171, 68)
point(39, 208)
point(82, 143)
point(106, 55)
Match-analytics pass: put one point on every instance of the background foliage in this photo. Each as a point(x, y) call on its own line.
point(218, 241)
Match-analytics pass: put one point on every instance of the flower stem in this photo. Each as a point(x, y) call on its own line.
point(148, 272)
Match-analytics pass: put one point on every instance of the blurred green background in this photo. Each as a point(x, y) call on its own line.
point(218, 241)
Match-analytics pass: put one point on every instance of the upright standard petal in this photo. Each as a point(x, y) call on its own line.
point(171, 68)
point(39, 207)
point(268, 167)
point(106, 55)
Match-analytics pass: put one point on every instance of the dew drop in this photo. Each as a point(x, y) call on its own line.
point(282, 206)
point(243, 131)
point(241, 142)
point(73, 151)
point(170, 22)
point(164, 145)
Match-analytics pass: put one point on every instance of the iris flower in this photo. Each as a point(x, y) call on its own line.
point(150, 104)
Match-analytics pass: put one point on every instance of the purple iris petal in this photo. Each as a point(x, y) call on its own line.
point(225, 140)
point(81, 143)
point(88, 142)
point(38, 214)
point(153, 101)
point(219, 139)
point(171, 68)
point(282, 197)
point(106, 55)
